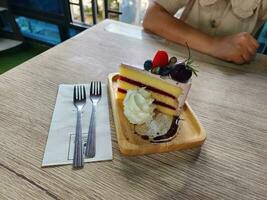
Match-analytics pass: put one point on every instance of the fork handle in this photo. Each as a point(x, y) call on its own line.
point(78, 160)
point(90, 145)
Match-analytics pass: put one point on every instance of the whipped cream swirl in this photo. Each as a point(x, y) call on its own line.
point(138, 107)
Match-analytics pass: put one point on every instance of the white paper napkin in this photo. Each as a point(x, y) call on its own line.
point(60, 142)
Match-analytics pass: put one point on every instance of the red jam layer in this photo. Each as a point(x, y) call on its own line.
point(152, 89)
point(155, 101)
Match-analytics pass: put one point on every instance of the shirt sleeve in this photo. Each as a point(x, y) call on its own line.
point(263, 11)
point(171, 6)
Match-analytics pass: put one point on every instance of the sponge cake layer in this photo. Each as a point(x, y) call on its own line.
point(165, 92)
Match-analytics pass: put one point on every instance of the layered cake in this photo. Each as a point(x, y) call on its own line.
point(169, 95)
point(153, 97)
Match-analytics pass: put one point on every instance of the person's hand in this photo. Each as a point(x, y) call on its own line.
point(239, 48)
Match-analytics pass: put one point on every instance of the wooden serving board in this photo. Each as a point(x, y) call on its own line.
point(191, 133)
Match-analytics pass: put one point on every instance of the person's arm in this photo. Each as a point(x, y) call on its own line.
point(238, 48)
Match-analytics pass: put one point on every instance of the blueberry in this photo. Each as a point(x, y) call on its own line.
point(148, 65)
point(164, 71)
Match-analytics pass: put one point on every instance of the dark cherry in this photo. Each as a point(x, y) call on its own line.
point(180, 73)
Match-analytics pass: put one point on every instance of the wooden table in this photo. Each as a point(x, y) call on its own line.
point(230, 101)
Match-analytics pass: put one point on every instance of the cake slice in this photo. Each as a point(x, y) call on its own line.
point(169, 95)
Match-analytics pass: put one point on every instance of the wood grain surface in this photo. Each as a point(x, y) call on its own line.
point(230, 101)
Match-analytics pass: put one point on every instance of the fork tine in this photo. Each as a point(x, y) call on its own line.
point(96, 87)
point(93, 87)
point(84, 93)
point(79, 92)
point(95, 84)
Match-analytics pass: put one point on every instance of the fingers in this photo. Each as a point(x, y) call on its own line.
point(252, 51)
point(248, 53)
point(238, 48)
point(246, 57)
point(253, 41)
point(240, 60)
point(252, 46)
point(249, 49)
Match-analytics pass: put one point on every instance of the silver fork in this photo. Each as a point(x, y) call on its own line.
point(79, 100)
point(95, 96)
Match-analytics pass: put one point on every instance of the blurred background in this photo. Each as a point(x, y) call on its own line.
point(29, 27)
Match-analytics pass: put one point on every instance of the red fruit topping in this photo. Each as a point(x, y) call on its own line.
point(161, 59)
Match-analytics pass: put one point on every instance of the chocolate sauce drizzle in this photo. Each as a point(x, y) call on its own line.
point(166, 137)
point(170, 133)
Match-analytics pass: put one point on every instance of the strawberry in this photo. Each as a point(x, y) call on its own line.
point(161, 59)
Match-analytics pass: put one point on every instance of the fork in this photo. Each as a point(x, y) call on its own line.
point(95, 96)
point(79, 100)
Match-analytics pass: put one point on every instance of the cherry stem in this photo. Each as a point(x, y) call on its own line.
point(189, 52)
